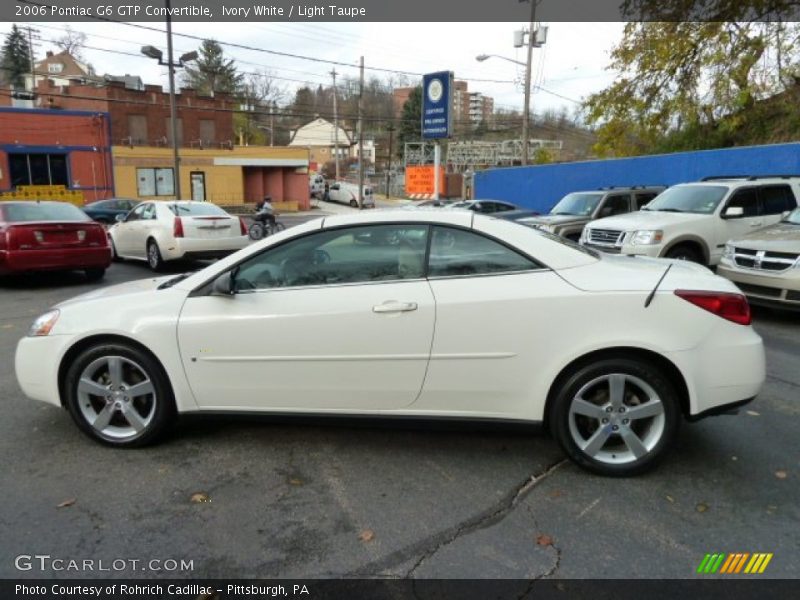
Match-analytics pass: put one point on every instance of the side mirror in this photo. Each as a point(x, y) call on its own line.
point(223, 285)
point(734, 212)
point(120, 218)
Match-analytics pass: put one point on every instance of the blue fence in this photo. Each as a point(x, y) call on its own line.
point(540, 187)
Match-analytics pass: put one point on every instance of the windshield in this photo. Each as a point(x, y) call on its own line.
point(557, 238)
point(701, 199)
point(43, 211)
point(464, 204)
point(793, 217)
point(197, 210)
point(578, 204)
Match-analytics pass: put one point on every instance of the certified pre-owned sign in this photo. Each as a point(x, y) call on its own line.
point(437, 105)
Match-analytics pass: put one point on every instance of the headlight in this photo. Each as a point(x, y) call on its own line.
point(44, 324)
point(647, 238)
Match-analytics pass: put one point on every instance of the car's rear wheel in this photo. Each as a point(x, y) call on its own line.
point(354, 203)
point(94, 274)
point(119, 395)
point(616, 416)
point(154, 258)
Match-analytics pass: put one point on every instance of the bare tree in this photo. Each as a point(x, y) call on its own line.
point(72, 42)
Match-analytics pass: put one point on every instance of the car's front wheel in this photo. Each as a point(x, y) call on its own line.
point(616, 416)
point(119, 395)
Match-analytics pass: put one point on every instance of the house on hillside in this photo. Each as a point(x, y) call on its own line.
point(321, 140)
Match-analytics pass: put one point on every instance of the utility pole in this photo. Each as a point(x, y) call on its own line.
point(272, 123)
point(361, 135)
point(31, 56)
point(526, 115)
point(390, 129)
point(173, 118)
point(335, 126)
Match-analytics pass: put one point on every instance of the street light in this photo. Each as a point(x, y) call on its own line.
point(156, 54)
point(483, 57)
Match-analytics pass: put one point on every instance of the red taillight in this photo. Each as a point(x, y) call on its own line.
point(242, 226)
point(733, 307)
point(177, 228)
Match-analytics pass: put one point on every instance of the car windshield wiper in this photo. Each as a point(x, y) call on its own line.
point(177, 279)
point(674, 210)
point(565, 213)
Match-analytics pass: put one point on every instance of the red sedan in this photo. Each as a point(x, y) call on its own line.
point(51, 236)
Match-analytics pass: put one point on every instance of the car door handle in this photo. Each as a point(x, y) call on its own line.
point(392, 306)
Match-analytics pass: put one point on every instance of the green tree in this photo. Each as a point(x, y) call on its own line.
point(689, 81)
point(15, 58)
point(213, 72)
point(411, 124)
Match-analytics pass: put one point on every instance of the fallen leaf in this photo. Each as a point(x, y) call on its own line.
point(199, 498)
point(295, 481)
point(556, 493)
point(67, 503)
point(781, 474)
point(670, 499)
point(367, 535)
point(701, 507)
point(734, 458)
point(544, 540)
point(753, 413)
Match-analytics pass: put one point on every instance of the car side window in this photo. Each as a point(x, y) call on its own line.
point(616, 204)
point(149, 211)
point(351, 255)
point(136, 213)
point(746, 199)
point(500, 207)
point(643, 198)
point(776, 199)
point(455, 252)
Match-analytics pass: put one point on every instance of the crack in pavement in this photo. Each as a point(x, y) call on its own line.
point(485, 519)
point(427, 547)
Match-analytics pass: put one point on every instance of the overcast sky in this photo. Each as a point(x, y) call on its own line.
point(571, 65)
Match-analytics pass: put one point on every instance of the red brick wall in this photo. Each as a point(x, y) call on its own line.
point(83, 137)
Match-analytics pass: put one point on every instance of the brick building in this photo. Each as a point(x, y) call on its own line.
point(58, 148)
point(140, 117)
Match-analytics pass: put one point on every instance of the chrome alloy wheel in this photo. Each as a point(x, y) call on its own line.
point(616, 418)
point(117, 398)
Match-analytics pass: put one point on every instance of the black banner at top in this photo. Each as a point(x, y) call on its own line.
point(438, 11)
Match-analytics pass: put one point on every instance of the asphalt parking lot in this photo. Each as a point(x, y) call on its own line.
point(302, 498)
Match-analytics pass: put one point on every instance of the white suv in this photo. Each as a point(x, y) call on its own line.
point(692, 221)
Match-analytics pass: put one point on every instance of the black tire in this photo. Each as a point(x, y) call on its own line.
point(614, 456)
point(95, 274)
point(684, 252)
point(154, 258)
point(161, 410)
point(354, 203)
point(278, 227)
point(257, 231)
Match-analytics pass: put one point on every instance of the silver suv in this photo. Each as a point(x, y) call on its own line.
point(575, 210)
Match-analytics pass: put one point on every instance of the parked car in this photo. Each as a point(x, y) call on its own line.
point(106, 211)
point(316, 185)
point(496, 208)
point(692, 221)
point(347, 193)
point(569, 216)
point(608, 352)
point(765, 264)
point(441, 203)
point(40, 235)
point(161, 231)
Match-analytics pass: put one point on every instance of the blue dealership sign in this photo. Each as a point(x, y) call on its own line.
point(437, 103)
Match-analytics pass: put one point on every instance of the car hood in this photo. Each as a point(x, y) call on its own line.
point(646, 220)
point(555, 219)
point(783, 237)
point(122, 289)
point(638, 273)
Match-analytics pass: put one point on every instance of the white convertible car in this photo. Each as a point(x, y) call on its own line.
point(396, 313)
point(162, 230)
